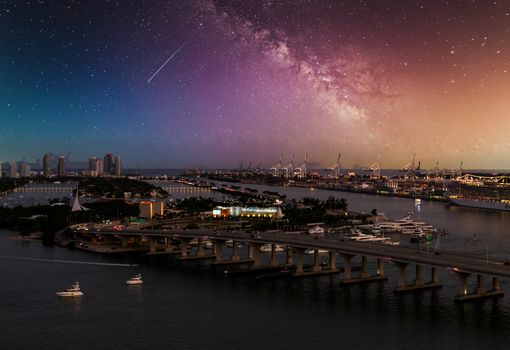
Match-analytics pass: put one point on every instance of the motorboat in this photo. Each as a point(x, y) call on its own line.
point(316, 232)
point(418, 235)
point(73, 291)
point(266, 248)
point(376, 230)
point(135, 280)
point(320, 251)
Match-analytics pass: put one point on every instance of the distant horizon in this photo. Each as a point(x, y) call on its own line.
point(314, 167)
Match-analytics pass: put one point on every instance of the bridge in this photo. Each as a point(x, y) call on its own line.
point(461, 265)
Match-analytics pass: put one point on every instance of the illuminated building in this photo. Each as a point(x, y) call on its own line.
point(146, 210)
point(248, 212)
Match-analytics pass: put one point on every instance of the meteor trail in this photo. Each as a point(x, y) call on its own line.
point(168, 60)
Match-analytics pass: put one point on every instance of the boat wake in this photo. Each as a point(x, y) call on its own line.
point(66, 261)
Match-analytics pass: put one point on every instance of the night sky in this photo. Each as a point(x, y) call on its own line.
point(250, 80)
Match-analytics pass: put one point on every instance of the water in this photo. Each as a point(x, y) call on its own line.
point(195, 306)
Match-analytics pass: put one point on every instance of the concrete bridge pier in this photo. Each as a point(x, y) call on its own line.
point(235, 251)
point(364, 267)
point(152, 244)
point(184, 246)
point(316, 261)
point(299, 254)
point(480, 287)
point(200, 247)
point(289, 256)
point(364, 276)
point(480, 291)
point(380, 267)
point(124, 240)
point(347, 268)
point(434, 275)
point(418, 282)
point(496, 284)
point(332, 260)
point(274, 260)
point(218, 249)
point(254, 253)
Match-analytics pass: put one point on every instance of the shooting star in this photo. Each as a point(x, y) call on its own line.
point(168, 60)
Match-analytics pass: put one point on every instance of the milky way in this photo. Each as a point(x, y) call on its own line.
point(257, 79)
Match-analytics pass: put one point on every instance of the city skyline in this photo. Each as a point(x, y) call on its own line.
point(212, 84)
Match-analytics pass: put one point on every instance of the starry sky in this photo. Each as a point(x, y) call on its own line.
point(250, 80)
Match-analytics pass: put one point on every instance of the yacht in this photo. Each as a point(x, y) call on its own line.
point(266, 248)
point(73, 291)
point(316, 231)
point(135, 280)
point(320, 251)
point(376, 230)
point(417, 235)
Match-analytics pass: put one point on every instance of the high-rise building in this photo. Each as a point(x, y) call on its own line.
point(117, 166)
point(47, 165)
point(61, 168)
point(99, 167)
point(92, 164)
point(12, 170)
point(108, 163)
point(24, 170)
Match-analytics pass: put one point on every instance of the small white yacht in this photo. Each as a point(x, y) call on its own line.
point(266, 248)
point(320, 251)
point(135, 280)
point(316, 231)
point(73, 291)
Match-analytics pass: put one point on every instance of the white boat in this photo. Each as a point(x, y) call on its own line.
point(417, 202)
point(320, 251)
point(207, 244)
point(266, 248)
point(135, 280)
point(376, 230)
point(316, 231)
point(417, 235)
point(73, 291)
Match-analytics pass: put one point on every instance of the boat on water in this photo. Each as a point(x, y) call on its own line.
point(135, 280)
point(316, 232)
point(491, 204)
point(266, 248)
point(320, 251)
point(73, 291)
